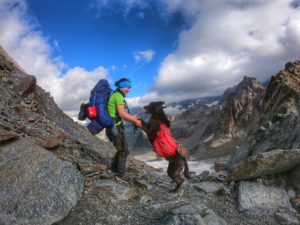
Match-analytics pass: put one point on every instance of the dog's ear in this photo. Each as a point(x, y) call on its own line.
point(161, 103)
point(154, 107)
point(150, 107)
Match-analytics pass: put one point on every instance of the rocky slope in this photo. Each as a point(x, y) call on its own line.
point(37, 187)
point(54, 172)
point(279, 125)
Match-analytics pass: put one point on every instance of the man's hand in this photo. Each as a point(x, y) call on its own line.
point(137, 122)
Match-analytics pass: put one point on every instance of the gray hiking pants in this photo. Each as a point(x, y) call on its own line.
point(117, 136)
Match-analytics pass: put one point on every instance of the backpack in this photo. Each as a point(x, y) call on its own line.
point(164, 144)
point(98, 98)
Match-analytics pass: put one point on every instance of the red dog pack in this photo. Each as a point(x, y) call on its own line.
point(164, 144)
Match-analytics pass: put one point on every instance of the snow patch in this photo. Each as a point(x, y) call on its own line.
point(195, 166)
point(213, 103)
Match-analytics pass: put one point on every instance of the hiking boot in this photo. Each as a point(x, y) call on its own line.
point(83, 111)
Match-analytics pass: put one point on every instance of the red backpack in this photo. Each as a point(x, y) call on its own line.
point(164, 144)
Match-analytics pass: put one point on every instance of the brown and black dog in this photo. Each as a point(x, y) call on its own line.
point(176, 162)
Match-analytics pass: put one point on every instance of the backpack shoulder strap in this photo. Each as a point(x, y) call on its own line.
point(125, 103)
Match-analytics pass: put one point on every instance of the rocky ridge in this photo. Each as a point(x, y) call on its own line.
point(54, 172)
point(251, 118)
point(216, 130)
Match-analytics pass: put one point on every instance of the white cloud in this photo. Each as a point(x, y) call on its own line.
point(75, 87)
point(228, 40)
point(118, 6)
point(143, 56)
point(32, 51)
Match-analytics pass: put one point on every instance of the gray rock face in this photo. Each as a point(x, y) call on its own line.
point(215, 131)
point(251, 118)
point(273, 162)
point(281, 107)
point(256, 198)
point(35, 186)
point(286, 219)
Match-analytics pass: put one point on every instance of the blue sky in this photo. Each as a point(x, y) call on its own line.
point(171, 50)
point(87, 35)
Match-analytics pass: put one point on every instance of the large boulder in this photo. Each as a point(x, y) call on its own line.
point(257, 198)
point(36, 187)
point(273, 162)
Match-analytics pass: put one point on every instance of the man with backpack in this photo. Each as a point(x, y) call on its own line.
point(106, 110)
point(118, 110)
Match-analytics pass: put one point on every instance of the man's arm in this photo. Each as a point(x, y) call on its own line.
point(126, 116)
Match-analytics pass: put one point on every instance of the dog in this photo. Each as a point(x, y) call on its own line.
point(177, 163)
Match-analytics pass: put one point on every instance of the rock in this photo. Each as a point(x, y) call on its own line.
point(219, 166)
point(145, 198)
point(213, 219)
point(296, 203)
point(204, 175)
point(115, 190)
point(50, 143)
point(20, 127)
point(295, 178)
point(92, 167)
point(273, 162)
point(208, 187)
point(193, 214)
point(31, 131)
point(6, 135)
point(143, 184)
point(223, 191)
point(258, 199)
point(24, 84)
point(286, 219)
point(35, 186)
point(183, 220)
point(238, 156)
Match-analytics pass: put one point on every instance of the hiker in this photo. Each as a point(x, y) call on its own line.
point(118, 110)
point(107, 109)
point(158, 132)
